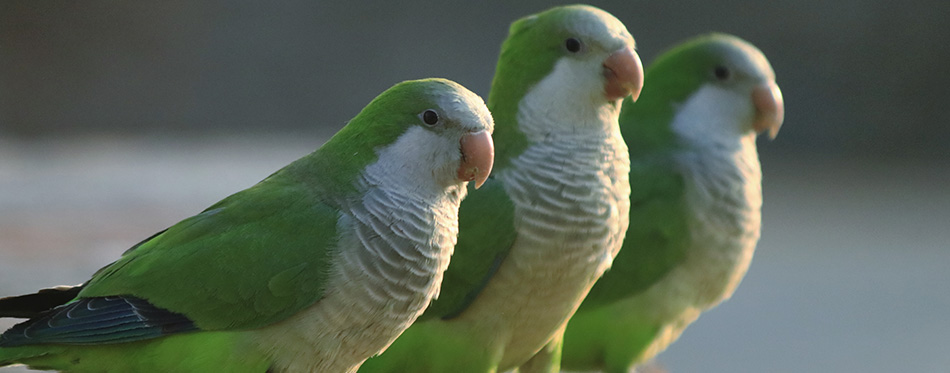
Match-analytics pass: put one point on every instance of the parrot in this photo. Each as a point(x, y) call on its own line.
point(696, 199)
point(552, 215)
point(316, 268)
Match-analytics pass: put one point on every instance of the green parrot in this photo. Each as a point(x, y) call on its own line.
point(553, 214)
point(695, 203)
point(316, 268)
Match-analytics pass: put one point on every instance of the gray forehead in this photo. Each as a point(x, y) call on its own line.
point(596, 23)
point(465, 106)
point(745, 57)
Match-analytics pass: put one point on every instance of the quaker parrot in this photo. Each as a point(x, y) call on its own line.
point(553, 214)
point(695, 204)
point(316, 268)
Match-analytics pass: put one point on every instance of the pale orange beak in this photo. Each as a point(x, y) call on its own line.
point(478, 155)
point(769, 109)
point(624, 73)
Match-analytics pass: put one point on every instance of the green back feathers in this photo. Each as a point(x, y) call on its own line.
point(262, 254)
point(481, 247)
point(658, 237)
point(670, 80)
point(254, 258)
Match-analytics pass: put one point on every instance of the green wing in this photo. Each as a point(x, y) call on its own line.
point(486, 233)
point(658, 236)
point(250, 260)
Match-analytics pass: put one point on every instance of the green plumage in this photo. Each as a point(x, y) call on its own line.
point(658, 211)
point(519, 69)
point(485, 236)
point(484, 239)
point(191, 352)
point(248, 258)
point(486, 219)
point(692, 202)
point(656, 220)
point(657, 206)
point(256, 234)
point(202, 288)
point(463, 331)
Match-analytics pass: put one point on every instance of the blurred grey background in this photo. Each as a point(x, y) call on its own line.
point(860, 77)
point(118, 119)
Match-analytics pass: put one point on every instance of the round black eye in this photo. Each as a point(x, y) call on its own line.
point(573, 45)
point(430, 117)
point(722, 73)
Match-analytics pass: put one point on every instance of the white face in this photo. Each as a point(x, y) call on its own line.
point(721, 111)
point(421, 162)
point(715, 114)
point(465, 109)
point(425, 161)
point(571, 99)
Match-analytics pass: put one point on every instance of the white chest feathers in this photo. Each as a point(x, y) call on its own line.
point(392, 253)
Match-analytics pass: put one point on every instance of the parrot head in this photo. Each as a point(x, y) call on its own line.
point(421, 135)
point(573, 64)
point(732, 77)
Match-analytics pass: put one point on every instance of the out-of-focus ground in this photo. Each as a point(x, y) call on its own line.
point(850, 275)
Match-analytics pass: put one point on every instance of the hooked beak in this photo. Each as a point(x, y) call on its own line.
point(624, 73)
point(478, 155)
point(769, 109)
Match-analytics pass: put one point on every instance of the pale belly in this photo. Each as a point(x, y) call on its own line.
point(545, 277)
point(526, 311)
point(708, 277)
point(572, 201)
point(325, 339)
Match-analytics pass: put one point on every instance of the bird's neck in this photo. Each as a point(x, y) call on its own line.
point(571, 198)
point(567, 181)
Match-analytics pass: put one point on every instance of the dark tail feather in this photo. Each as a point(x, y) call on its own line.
point(32, 305)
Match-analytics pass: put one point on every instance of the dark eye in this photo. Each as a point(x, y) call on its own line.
point(430, 117)
point(573, 45)
point(722, 73)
